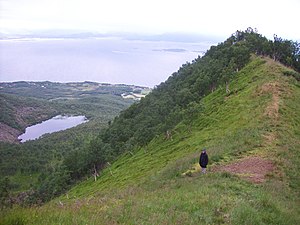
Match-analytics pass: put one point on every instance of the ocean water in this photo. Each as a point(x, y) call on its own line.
point(109, 60)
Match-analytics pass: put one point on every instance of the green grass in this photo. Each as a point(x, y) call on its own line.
point(203, 199)
point(146, 186)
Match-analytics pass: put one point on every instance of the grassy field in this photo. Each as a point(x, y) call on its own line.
point(259, 118)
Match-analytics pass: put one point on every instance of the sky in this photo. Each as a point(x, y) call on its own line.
point(219, 18)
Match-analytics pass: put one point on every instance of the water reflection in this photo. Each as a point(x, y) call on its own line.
point(54, 124)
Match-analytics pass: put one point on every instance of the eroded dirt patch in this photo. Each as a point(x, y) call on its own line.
point(23, 116)
point(273, 108)
point(253, 169)
point(9, 134)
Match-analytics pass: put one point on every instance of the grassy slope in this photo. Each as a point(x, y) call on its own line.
point(146, 186)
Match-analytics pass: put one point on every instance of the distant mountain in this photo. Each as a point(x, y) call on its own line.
point(169, 37)
point(50, 34)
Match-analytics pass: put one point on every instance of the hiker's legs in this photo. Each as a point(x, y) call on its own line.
point(203, 170)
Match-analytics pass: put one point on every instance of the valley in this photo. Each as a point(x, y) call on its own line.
point(24, 104)
point(28, 103)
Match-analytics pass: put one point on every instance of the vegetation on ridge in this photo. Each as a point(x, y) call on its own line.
point(177, 98)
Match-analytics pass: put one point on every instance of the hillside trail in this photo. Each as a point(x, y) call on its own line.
point(250, 168)
point(256, 166)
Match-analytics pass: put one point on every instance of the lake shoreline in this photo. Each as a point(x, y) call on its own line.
point(51, 125)
point(9, 134)
point(12, 135)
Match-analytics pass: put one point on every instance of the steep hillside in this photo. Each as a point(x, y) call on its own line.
point(256, 124)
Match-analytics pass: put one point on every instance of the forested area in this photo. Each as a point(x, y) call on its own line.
point(176, 100)
point(26, 103)
point(17, 111)
point(40, 167)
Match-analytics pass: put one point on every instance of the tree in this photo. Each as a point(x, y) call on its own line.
point(5, 193)
point(276, 47)
point(240, 56)
point(193, 109)
point(228, 73)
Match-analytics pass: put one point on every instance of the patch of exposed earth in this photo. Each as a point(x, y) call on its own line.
point(9, 134)
point(273, 108)
point(254, 169)
point(24, 116)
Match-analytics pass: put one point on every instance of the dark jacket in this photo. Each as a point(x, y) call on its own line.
point(203, 160)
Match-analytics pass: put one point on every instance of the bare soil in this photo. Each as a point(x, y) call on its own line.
point(253, 169)
point(273, 108)
point(9, 134)
point(24, 116)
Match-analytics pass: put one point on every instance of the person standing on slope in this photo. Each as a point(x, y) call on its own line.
point(203, 161)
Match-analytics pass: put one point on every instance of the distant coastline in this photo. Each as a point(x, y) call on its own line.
point(104, 59)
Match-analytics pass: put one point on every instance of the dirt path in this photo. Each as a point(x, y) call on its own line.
point(253, 169)
point(273, 108)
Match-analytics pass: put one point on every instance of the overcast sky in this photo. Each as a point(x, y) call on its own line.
point(210, 17)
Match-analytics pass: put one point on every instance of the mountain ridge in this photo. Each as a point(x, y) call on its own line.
point(147, 185)
point(237, 105)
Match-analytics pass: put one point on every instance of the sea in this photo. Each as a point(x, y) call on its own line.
point(106, 60)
